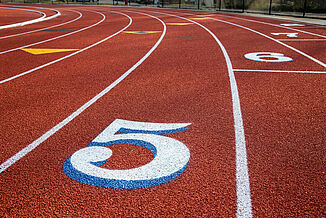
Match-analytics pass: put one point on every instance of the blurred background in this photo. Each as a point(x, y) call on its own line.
point(298, 8)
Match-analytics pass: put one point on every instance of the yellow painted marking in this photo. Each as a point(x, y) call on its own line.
point(199, 18)
point(141, 32)
point(37, 51)
point(179, 24)
point(207, 15)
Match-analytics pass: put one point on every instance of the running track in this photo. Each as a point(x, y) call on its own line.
point(257, 125)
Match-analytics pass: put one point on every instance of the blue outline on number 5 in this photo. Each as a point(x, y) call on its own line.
point(84, 164)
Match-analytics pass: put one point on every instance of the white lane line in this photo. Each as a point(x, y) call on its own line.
point(279, 71)
point(37, 30)
point(44, 18)
point(43, 15)
point(24, 6)
point(244, 208)
point(302, 40)
point(57, 37)
point(57, 60)
point(270, 24)
point(60, 125)
point(275, 40)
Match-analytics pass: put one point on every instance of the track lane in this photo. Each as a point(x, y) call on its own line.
point(33, 43)
point(48, 11)
point(313, 48)
point(9, 16)
point(284, 115)
point(244, 208)
point(311, 29)
point(323, 65)
point(140, 97)
point(268, 37)
point(85, 68)
point(47, 14)
point(22, 115)
point(62, 18)
point(281, 122)
point(46, 28)
point(280, 171)
point(27, 63)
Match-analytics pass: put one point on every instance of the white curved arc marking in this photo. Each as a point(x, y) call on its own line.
point(244, 208)
point(23, 6)
point(44, 18)
point(33, 31)
point(57, 37)
point(12, 160)
point(25, 22)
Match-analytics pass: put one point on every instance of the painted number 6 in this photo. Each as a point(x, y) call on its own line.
point(268, 57)
point(171, 157)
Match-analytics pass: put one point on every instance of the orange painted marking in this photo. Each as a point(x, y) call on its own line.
point(199, 18)
point(37, 51)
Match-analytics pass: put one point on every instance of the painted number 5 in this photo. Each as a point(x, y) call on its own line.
point(268, 57)
point(171, 157)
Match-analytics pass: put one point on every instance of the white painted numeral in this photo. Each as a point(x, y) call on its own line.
point(291, 35)
point(292, 24)
point(268, 57)
point(170, 156)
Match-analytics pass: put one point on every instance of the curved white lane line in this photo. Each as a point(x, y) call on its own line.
point(244, 207)
point(44, 18)
point(25, 22)
point(276, 25)
point(56, 128)
point(37, 30)
point(24, 6)
point(57, 60)
point(58, 37)
point(268, 37)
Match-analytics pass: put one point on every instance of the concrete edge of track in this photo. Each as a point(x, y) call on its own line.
point(43, 18)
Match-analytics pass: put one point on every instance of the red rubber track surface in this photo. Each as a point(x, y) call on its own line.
point(184, 80)
point(8, 16)
point(78, 40)
point(47, 10)
point(16, 14)
point(313, 28)
point(51, 79)
point(65, 16)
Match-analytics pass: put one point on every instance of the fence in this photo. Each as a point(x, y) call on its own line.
point(302, 8)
